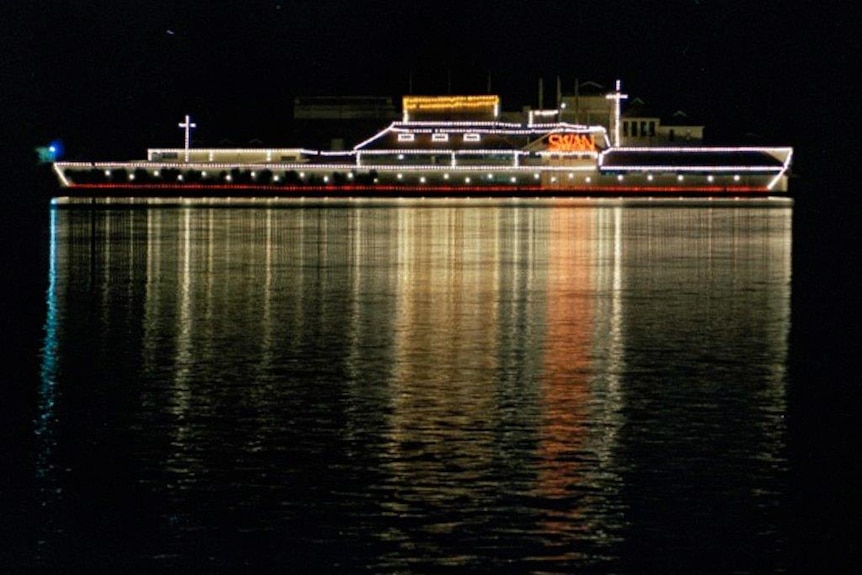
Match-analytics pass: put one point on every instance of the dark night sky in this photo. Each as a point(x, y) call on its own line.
point(111, 77)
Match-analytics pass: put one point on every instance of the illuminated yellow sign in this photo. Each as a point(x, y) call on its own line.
point(571, 143)
point(426, 103)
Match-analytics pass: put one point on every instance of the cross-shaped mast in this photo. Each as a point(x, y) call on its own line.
point(188, 125)
point(617, 96)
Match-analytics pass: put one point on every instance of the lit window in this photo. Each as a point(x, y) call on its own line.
point(405, 137)
point(439, 137)
point(471, 137)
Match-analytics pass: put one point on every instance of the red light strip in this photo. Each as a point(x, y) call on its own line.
point(434, 188)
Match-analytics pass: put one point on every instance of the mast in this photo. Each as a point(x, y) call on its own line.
point(617, 96)
point(187, 126)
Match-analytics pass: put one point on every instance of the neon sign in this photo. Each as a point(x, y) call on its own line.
point(449, 103)
point(571, 143)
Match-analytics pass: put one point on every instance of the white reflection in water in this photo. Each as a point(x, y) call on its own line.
point(488, 375)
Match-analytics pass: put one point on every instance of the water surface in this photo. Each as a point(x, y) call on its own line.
point(548, 387)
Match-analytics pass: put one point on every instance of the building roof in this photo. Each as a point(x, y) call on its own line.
point(465, 136)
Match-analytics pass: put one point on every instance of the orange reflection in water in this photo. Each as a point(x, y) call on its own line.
point(567, 354)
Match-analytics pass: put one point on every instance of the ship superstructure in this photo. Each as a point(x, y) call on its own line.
point(450, 146)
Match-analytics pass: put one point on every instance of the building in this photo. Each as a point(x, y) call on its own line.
point(640, 126)
point(337, 122)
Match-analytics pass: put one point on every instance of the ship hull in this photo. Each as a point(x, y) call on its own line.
point(206, 180)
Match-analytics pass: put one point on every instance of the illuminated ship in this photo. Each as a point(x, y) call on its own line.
point(449, 146)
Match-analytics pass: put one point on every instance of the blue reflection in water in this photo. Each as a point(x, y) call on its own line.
point(50, 360)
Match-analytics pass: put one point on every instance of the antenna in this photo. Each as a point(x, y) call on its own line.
point(577, 101)
point(559, 92)
point(541, 95)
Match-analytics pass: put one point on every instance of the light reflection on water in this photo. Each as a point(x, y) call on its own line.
point(417, 388)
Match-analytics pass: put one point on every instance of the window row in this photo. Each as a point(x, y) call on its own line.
point(642, 128)
point(437, 137)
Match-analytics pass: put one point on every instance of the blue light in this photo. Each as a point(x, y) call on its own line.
point(56, 149)
point(50, 153)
